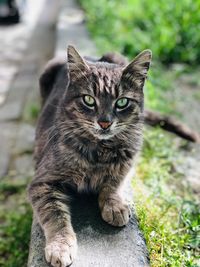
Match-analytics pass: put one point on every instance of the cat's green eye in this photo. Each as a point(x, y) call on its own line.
point(89, 100)
point(122, 103)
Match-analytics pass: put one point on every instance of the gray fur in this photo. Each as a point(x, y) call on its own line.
point(73, 154)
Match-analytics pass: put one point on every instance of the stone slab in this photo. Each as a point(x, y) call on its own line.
point(13, 107)
point(14, 41)
point(4, 158)
point(71, 30)
point(39, 50)
point(99, 244)
point(25, 139)
point(188, 165)
point(23, 167)
point(7, 138)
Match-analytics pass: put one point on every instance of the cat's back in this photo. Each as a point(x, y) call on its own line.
point(53, 82)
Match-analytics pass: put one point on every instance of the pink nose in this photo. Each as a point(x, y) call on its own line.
point(104, 124)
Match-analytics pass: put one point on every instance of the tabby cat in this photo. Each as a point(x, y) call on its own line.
point(88, 134)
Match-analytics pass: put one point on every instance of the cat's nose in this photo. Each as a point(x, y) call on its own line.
point(104, 124)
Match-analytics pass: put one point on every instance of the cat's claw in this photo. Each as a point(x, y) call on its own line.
point(116, 213)
point(61, 253)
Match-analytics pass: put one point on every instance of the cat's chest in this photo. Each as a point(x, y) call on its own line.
point(91, 164)
point(97, 166)
point(100, 154)
point(92, 178)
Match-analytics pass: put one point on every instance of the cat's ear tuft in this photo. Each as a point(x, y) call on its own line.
point(75, 61)
point(138, 68)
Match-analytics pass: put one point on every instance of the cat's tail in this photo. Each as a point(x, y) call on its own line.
point(115, 58)
point(48, 77)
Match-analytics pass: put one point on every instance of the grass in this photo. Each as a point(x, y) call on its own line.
point(31, 112)
point(167, 28)
point(8, 189)
point(160, 81)
point(15, 226)
point(168, 214)
point(170, 29)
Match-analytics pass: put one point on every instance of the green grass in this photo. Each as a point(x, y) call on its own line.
point(166, 27)
point(160, 81)
point(169, 28)
point(168, 213)
point(15, 226)
point(8, 189)
point(31, 112)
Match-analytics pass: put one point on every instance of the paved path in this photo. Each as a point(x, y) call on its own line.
point(14, 40)
point(15, 134)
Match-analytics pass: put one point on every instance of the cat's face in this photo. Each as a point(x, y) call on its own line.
point(105, 99)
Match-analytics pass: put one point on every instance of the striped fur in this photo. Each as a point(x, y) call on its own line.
point(73, 154)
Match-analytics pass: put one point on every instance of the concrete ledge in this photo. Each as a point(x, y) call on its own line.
point(99, 244)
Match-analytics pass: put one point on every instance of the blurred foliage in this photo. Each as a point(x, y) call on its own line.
point(159, 82)
point(31, 112)
point(170, 28)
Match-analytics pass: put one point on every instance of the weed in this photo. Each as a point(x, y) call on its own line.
point(169, 220)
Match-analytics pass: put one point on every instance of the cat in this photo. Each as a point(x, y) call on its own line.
point(87, 136)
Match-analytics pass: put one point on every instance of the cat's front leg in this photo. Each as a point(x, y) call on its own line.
point(113, 209)
point(51, 207)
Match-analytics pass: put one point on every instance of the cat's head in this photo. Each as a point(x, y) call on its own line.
point(105, 99)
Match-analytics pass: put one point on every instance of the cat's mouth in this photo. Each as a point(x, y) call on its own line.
point(105, 136)
point(104, 133)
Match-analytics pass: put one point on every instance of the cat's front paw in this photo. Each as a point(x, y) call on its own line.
point(60, 252)
point(116, 213)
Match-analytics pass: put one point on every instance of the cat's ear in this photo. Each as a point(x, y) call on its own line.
point(136, 71)
point(76, 63)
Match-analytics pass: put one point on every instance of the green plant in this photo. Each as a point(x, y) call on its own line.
point(15, 227)
point(131, 26)
point(168, 214)
point(15, 237)
point(31, 111)
point(169, 28)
